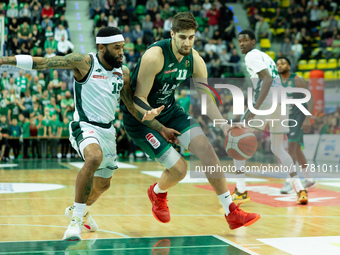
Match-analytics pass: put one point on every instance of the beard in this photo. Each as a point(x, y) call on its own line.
point(182, 52)
point(111, 60)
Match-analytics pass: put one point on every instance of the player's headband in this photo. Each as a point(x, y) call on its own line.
point(109, 39)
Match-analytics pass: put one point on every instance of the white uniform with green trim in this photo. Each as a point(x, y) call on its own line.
point(257, 61)
point(96, 101)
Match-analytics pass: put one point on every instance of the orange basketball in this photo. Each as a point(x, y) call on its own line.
point(240, 144)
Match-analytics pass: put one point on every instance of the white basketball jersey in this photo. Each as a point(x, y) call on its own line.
point(96, 98)
point(257, 61)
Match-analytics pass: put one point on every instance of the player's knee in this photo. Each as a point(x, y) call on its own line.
point(94, 160)
point(180, 168)
point(274, 149)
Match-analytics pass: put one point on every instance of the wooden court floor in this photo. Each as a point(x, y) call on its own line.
point(34, 195)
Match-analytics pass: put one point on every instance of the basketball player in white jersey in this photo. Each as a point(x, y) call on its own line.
point(265, 78)
point(100, 80)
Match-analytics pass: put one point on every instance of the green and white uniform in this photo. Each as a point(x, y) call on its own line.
point(257, 61)
point(162, 92)
point(96, 99)
point(295, 133)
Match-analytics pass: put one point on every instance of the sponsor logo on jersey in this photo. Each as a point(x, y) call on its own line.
point(187, 63)
point(98, 70)
point(95, 76)
point(171, 71)
point(171, 65)
point(153, 140)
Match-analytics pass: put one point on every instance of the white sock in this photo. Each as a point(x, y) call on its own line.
point(307, 174)
point(297, 183)
point(157, 190)
point(226, 200)
point(78, 210)
point(240, 175)
point(241, 183)
point(87, 209)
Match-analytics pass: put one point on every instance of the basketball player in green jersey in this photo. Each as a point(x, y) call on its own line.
point(164, 65)
point(295, 135)
point(100, 80)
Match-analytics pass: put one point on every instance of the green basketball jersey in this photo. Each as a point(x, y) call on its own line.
point(293, 109)
point(168, 79)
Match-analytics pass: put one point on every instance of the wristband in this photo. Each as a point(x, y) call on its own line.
point(24, 61)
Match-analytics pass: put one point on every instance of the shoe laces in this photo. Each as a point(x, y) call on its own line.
point(162, 203)
point(240, 211)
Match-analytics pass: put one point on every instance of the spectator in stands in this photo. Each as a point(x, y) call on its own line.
point(300, 13)
point(45, 100)
point(184, 101)
point(166, 13)
point(131, 59)
point(42, 135)
point(13, 94)
point(297, 49)
point(51, 44)
point(25, 14)
point(140, 46)
point(286, 47)
point(147, 25)
point(112, 22)
point(336, 45)
point(24, 33)
point(47, 22)
point(48, 32)
point(53, 107)
point(123, 16)
point(322, 13)
point(152, 8)
point(2, 10)
point(128, 46)
point(280, 21)
point(206, 6)
point(67, 106)
point(35, 12)
point(4, 81)
point(4, 126)
point(306, 41)
point(64, 135)
point(37, 37)
point(13, 85)
point(12, 12)
point(167, 27)
point(158, 22)
point(220, 46)
point(229, 32)
point(26, 136)
point(64, 47)
point(210, 46)
point(236, 60)
point(47, 11)
point(213, 18)
point(102, 21)
point(36, 110)
point(324, 24)
point(37, 96)
point(62, 93)
point(97, 7)
point(63, 22)
point(26, 47)
point(196, 8)
point(110, 8)
point(314, 16)
point(332, 23)
point(15, 133)
point(262, 29)
point(59, 6)
point(34, 141)
point(22, 82)
point(306, 23)
point(15, 108)
point(54, 134)
point(13, 28)
point(137, 33)
point(61, 31)
point(295, 26)
point(4, 146)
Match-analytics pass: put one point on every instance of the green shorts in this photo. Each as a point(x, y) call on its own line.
point(296, 133)
point(152, 143)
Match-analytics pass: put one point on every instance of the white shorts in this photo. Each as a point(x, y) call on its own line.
point(278, 124)
point(83, 134)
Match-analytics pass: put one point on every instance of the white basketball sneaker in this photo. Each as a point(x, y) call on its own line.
point(89, 222)
point(73, 232)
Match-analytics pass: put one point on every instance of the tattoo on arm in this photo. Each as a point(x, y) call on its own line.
point(68, 61)
point(88, 188)
point(126, 96)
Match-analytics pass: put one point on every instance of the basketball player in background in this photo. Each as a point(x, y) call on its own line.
point(295, 135)
point(99, 81)
point(264, 77)
point(164, 65)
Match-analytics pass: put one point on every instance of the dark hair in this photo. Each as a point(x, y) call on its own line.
point(108, 31)
point(184, 21)
point(288, 61)
point(249, 33)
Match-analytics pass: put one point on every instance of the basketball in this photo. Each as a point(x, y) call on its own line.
point(240, 144)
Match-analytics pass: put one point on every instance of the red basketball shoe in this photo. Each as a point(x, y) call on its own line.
point(160, 209)
point(238, 218)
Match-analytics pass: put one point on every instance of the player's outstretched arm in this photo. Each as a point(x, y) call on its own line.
point(301, 83)
point(126, 95)
point(78, 62)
